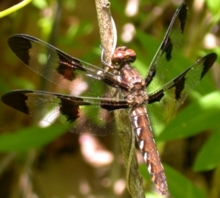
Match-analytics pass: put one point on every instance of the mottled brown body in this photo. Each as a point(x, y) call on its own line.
point(140, 122)
point(66, 70)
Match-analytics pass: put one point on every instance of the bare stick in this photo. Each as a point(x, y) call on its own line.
point(126, 135)
point(107, 29)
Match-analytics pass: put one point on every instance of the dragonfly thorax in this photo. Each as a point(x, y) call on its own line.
point(137, 97)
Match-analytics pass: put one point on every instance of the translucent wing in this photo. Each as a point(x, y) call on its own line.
point(59, 67)
point(164, 57)
point(75, 113)
point(167, 99)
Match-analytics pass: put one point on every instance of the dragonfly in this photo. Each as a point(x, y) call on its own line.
point(130, 93)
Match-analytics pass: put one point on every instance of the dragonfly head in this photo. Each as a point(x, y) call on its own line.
point(123, 55)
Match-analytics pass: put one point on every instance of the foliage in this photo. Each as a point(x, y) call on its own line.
point(72, 26)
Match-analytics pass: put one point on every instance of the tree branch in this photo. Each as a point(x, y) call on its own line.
point(126, 135)
point(107, 29)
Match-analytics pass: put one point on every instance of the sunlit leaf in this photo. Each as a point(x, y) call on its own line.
point(28, 138)
point(40, 3)
point(197, 117)
point(214, 6)
point(209, 156)
point(180, 186)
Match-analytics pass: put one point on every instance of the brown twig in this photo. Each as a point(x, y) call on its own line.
point(106, 28)
point(126, 136)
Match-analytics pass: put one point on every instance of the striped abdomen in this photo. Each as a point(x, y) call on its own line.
point(141, 126)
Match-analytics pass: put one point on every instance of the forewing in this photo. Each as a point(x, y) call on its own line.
point(165, 55)
point(57, 66)
point(166, 100)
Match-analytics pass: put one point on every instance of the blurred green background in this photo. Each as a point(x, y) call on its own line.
point(49, 162)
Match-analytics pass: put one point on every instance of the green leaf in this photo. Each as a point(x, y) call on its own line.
point(181, 187)
point(209, 156)
point(178, 185)
point(197, 117)
point(214, 6)
point(28, 138)
point(41, 4)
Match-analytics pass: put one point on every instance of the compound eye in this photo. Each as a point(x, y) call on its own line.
point(131, 55)
point(122, 55)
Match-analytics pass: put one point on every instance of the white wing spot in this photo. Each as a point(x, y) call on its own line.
point(100, 73)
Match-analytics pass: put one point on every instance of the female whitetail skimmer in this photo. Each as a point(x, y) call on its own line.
point(131, 95)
